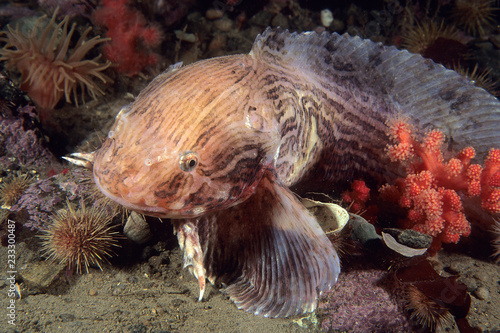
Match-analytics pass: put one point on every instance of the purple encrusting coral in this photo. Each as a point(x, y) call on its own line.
point(70, 8)
point(46, 196)
point(16, 12)
point(21, 143)
point(360, 302)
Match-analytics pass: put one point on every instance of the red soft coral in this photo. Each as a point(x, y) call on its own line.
point(431, 189)
point(357, 197)
point(132, 39)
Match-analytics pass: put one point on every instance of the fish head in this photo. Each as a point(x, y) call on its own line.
point(182, 150)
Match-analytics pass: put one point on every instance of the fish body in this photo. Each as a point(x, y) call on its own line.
point(216, 145)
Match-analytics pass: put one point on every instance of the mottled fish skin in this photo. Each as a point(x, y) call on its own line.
point(217, 101)
point(206, 142)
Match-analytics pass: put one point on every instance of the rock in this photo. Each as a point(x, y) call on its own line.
point(223, 24)
point(470, 283)
point(136, 328)
point(66, 317)
point(280, 20)
point(156, 262)
point(454, 268)
point(262, 19)
point(213, 14)
point(482, 276)
point(363, 231)
point(482, 293)
point(41, 275)
point(410, 238)
point(185, 37)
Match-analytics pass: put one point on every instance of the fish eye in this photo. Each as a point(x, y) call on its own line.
point(188, 161)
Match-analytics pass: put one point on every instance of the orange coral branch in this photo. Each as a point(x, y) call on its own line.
point(431, 189)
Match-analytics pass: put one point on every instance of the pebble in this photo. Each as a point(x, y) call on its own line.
point(223, 24)
point(454, 268)
point(41, 275)
point(326, 17)
point(186, 37)
point(482, 293)
point(471, 283)
point(92, 292)
point(156, 262)
point(66, 317)
point(135, 328)
point(481, 276)
point(213, 14)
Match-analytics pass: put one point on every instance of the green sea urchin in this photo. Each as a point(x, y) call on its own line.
point(476, 16)
point(421, 36)
point(11, 189)
point(80, 238)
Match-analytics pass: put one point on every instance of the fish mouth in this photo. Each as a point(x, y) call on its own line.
point(146, 210)
point(156, 211)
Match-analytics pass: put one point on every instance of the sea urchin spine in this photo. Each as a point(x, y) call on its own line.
point(80, 237)
point(425, 311)
point(12, 188)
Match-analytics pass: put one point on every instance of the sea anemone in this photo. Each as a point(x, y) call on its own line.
point(475, 15)
point(433, 40)
point(480, 78)
point(11, 189)
point(417, 38)
point(426, 311)
point(49, 69)
point(80, 237)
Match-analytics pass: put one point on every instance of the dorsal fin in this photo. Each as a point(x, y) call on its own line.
point(423, 91)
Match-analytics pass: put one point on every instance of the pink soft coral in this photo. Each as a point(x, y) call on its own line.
point(132, 38)
point(431, 190)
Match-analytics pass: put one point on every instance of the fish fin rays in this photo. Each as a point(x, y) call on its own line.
point(189, 242)
point(427, 93)
point(270, 254)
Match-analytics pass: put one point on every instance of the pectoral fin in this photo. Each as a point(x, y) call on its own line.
point(270, 254)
